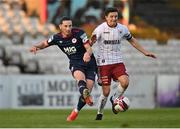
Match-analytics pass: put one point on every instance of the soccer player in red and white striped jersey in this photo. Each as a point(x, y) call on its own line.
point(108, 37)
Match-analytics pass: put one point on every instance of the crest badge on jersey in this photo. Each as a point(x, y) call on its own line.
point(103, 60)
point(74, 40)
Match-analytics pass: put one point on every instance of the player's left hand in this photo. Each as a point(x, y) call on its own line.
point(86, 57)
point(33, 49)
point(150, 55)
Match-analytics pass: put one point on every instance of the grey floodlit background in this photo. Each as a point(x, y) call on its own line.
point(44, 81)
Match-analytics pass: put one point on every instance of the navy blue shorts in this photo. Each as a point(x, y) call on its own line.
point(89, 69)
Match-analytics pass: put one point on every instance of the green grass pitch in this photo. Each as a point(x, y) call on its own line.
point(133, 118)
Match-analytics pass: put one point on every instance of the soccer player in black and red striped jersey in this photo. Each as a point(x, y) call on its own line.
point(75, 44)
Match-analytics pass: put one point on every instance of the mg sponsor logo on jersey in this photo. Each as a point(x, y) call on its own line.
point(70, 50)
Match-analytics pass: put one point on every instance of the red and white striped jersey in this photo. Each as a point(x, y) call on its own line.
point(109, 43)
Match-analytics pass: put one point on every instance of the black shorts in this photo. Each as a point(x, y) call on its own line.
point(89, 69)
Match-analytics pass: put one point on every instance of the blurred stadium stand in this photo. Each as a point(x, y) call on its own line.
point(19, 31)
point(163, 14)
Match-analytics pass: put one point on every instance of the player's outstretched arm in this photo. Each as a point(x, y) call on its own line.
point(39, 46)
point(135, 44)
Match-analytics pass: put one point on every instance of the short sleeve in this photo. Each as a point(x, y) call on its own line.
point(127, 34)
point(51, 40)
point(83, 36)
point(97, 32)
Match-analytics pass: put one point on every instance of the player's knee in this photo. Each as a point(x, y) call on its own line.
point(106, 92)
point(124, 83)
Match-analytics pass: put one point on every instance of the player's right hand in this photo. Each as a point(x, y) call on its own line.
point(33, 49)
point(149, 54)
point(86, 57)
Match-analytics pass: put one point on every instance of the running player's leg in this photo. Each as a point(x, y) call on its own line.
point(73, 115)
point(84, 91)
point(81, 80)
point(102, 101)
point(105, 77)
point(119, 74)
point(80, 105)
point(85, 83)
point(123, 84)
point(81, 102)
point(91, 72)
point(80, 77)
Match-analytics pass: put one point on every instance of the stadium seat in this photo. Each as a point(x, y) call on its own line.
point(12, 53)
point(29, 39)
point(1, 62)
point(12, 70)
point(173, 42)
point(4, 39)
point(31, 67)
point(2, 70)
point(28, 62)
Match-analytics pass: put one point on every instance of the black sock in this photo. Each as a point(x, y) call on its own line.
point(82, 86)
point(81, 103)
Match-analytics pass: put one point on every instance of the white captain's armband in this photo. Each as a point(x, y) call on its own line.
point(50, 39)
point(84, 38)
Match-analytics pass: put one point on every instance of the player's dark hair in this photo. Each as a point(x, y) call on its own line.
point(64, 18)
point(110, 10)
